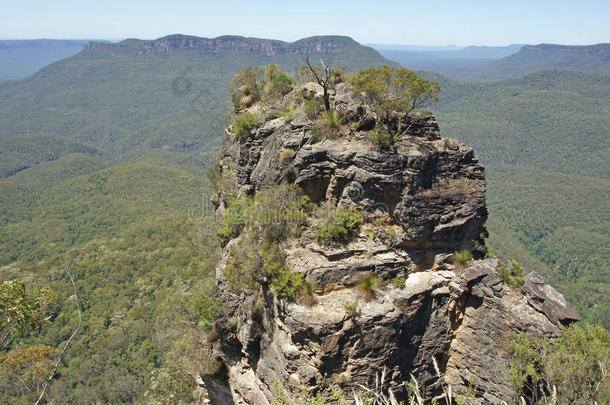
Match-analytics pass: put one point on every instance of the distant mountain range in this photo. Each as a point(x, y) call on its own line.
point(593, 59)
point(170, 93)
point(412, 53)
point(483, 64)
point(328, 45)
point(22, 58)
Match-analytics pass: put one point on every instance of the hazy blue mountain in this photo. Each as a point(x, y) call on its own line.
point(594, 59)
point(453, 62)
point(413, 48)
point(22, 58)
point(484, 64)
point(405, 55)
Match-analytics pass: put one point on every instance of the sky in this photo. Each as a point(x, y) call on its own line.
point(435, 23)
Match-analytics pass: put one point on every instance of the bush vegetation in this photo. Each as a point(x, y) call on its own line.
point(244, 123)
point(512, 274)
point(307, 294)
point(575, 365)
point(332, 122)
point(391, 89)
point(382, 139)
point(313, 107)
point(338, 226)
point(316, 133)
point(262, 224)
point(399, 282)
point(256, 84)
point(234, 218)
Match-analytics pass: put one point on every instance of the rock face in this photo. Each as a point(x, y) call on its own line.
point(433, 193)
point(436, 193)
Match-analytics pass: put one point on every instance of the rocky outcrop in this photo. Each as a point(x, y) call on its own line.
point(436, 193)
point(549, 301)
point(432, 193)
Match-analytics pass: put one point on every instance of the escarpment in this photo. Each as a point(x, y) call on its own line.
point(382, 296)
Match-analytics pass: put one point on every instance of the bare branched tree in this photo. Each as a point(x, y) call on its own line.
point(323, 76)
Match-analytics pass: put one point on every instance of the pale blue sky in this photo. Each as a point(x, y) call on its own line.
point(442, 22)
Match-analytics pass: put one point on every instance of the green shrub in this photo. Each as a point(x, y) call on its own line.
point(382, 139)
point(273, 215)
point(461, 257)
point(273, 259)
point(338, 226)
point(351, 307)
point(244, 265)
point(276, 83)
point(512, 274)
point(385, 235)
point(367, 285)
point(287, 285)
point(233, 219)
point(268, 83)
point(578, 364)
point(575, 364)
point(306, 294)
point(206, 306)
point(279, 212)
point(244, 88)
point(244, 124)
point(399, 282)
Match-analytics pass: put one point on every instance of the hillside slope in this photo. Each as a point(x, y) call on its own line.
point(559, 226)
point(554, 120)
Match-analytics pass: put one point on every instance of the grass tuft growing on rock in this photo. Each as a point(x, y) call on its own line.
point(461, 257)
point(316, 134)
point(333, 121)
point(382, 139)
point(307, 294)
point(399, 282)
point(366, 286)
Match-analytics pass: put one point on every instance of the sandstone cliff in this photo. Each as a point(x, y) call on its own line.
point(330, 45)
point(431, 193)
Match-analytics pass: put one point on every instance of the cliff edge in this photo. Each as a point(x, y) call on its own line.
point(386, 295)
